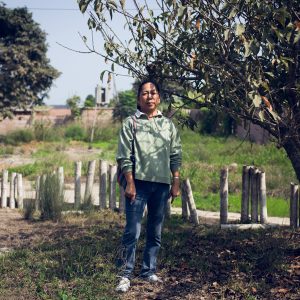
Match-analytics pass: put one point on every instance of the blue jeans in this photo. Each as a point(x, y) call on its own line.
point(155, 195)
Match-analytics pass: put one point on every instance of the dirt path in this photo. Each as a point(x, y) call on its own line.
point(15, 232)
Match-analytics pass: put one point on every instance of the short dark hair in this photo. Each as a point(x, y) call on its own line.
point(147, 81)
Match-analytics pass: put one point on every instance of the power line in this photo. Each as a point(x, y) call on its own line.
point(59, 9)
point(48, 9)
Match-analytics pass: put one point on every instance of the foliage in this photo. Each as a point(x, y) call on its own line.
point(75, 132)
point(50, 197)
point(29, 209)
point(25, 74)
point(125, 105)
point(89, 101)
point(239, 57)
point(77, 261)
point(73, 103)
point(45, 131)
point(213, 122)
point(18, 136)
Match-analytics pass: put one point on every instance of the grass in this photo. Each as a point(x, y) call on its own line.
point(277, 207)
point(77, 261)
point(203, 157)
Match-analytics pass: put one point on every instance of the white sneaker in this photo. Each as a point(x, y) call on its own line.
point(123, 285)
point(153, 278)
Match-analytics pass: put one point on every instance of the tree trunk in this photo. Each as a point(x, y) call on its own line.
point(292, 148)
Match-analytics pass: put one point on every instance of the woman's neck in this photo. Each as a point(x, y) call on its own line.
point(151, 114)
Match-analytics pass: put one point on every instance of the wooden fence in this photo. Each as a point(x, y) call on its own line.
point(253, 200)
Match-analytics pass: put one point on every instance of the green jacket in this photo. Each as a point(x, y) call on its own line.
point(157, 147)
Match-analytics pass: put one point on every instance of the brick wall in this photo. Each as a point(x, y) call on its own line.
point(55, 116)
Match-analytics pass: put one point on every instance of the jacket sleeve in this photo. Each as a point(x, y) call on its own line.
point(124, 146)
point(175, 149)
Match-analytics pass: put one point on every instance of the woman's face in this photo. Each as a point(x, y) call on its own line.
point(149, 98)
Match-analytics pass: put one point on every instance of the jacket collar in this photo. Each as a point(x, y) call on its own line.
point(139, 114)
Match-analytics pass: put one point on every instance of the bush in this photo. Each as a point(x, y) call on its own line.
point(75, 132)
point(50, 198)
point(44, 131)
point(19, 136)
point(29, 208)
point(105, 134)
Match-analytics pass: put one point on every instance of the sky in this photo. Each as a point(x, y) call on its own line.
point(62, 21)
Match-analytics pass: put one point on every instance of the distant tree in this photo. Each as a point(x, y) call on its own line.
point(25, 72)
point(125, 106)
point(236, 56)
point(73, 103)
point(89, 101)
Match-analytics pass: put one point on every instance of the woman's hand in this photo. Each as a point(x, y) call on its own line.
point(130, 191)
point(175, 189)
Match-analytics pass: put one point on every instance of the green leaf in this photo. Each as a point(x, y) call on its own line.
point(274, 115)
point(112, 3)
point(181, 11)
point(240, 29)
point(102, 75)
point(297, 37)
point(261, 115)
point(226, 35)
point(247, 46)
point(233, 13)
point(122, 2)
point(83, 4)
point(257, 100)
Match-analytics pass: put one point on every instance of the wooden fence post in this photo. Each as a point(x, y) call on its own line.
point(37, 192)
point(190, 200)
point(61, 179)
point(20, 192)
point(184, 204)
point(245, 195)
point(122, 200)
point(112, 186)
point(89, 181)
point(294, 198)
point(77, 193)
point(12, 197)
point(254, 195)
point(4, 188)
point(103, 180)
point(263, 198)
point(224, 196)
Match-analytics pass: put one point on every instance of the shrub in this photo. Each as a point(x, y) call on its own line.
point(44, 131)
point(50, 198)
point(75, 132)
point(19, 136)
point(4, 150)
point(29, 208)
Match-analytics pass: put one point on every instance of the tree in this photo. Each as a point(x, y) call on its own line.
point(126, 105)
point(25, 72)
point(73, 103)
point(89, 101)
point(235, 56)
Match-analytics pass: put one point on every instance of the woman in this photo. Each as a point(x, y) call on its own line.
point(157, 159)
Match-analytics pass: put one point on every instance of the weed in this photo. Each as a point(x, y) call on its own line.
point(45, 131)
point(75, 132)
point(18, 136)
point(50, 197)
point(29, 209)
point(6, 150)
